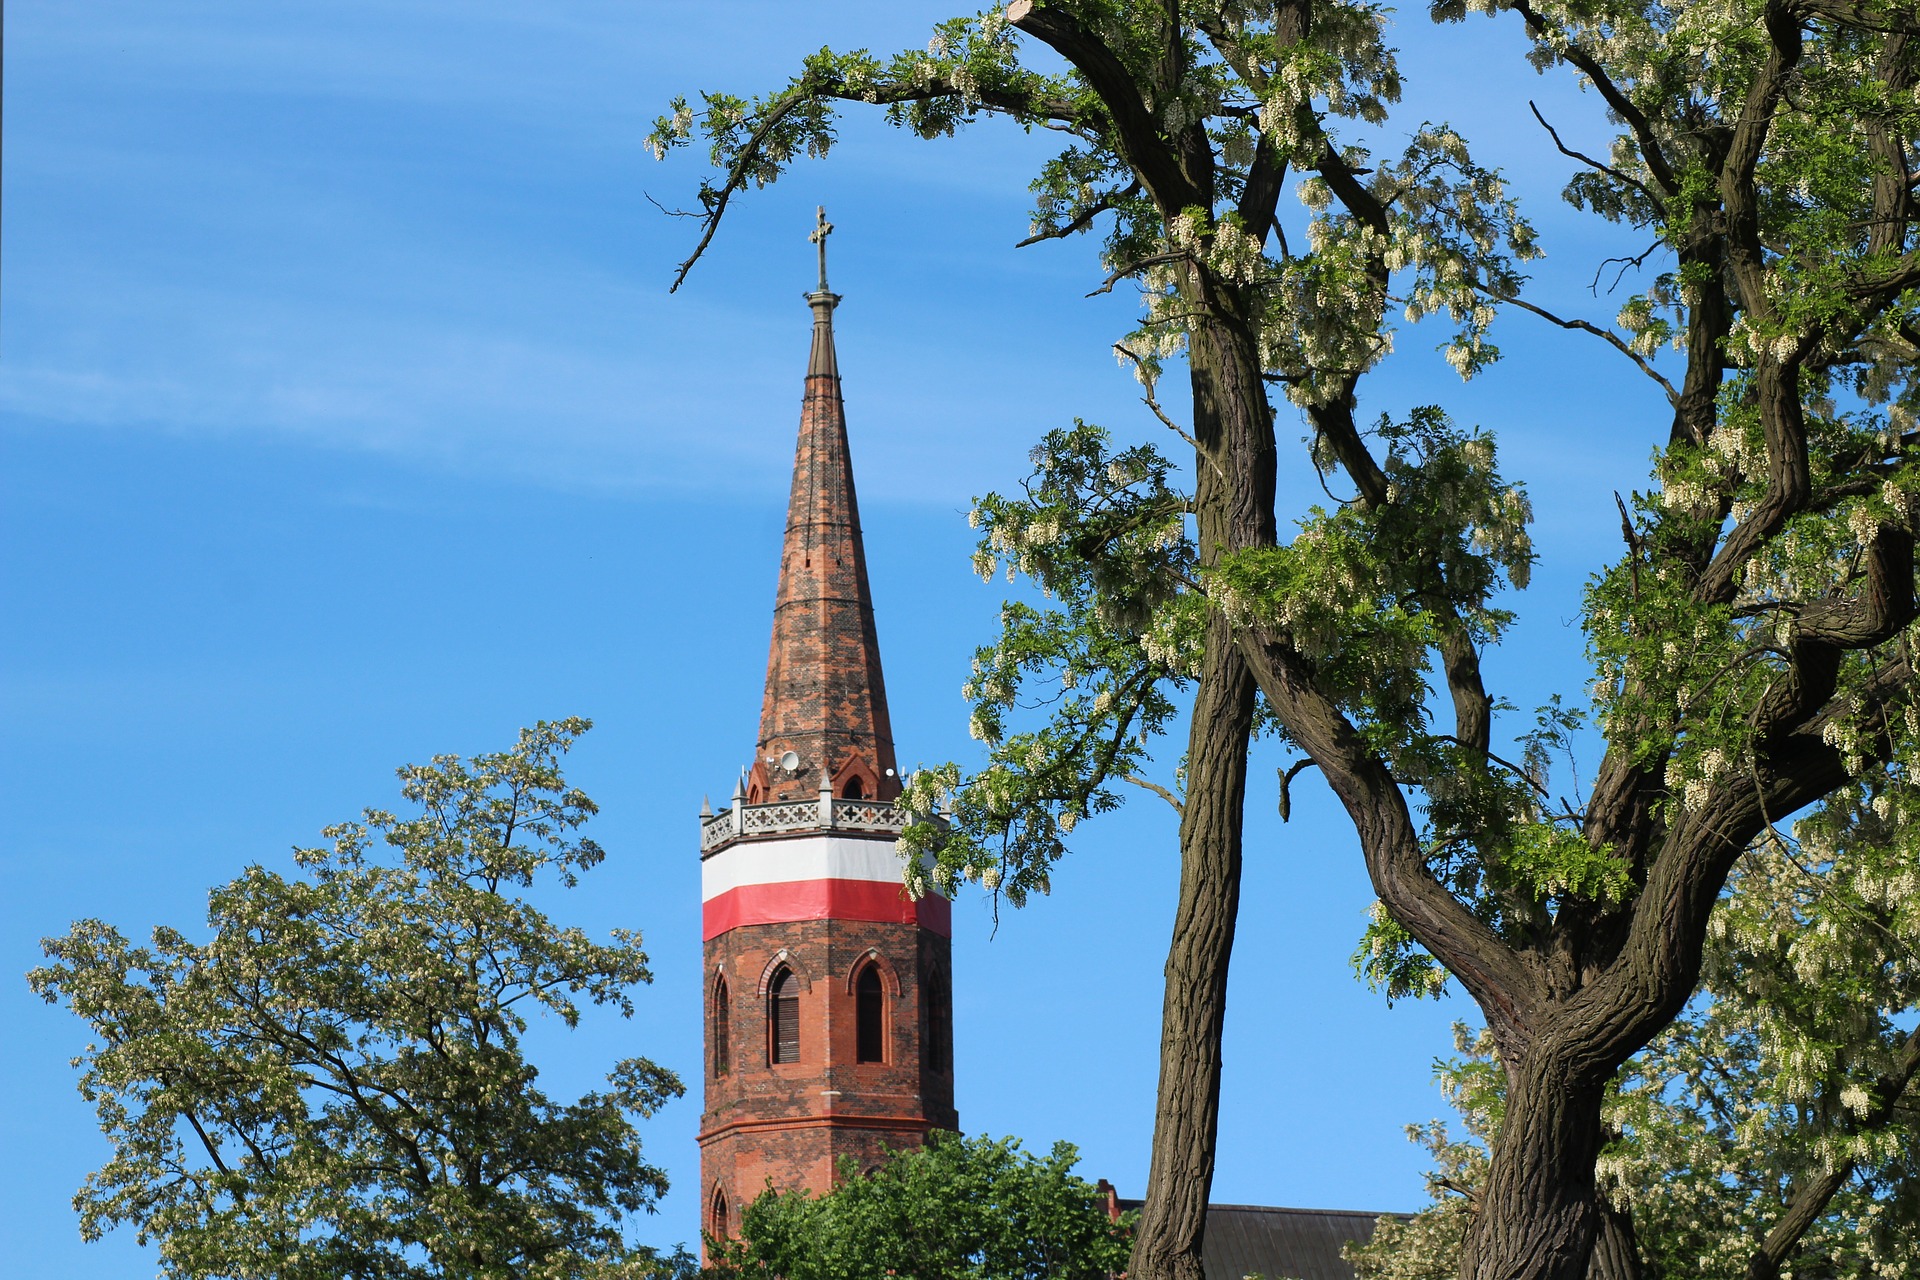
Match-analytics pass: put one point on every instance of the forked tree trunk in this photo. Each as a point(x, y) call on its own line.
point(1172, 1228)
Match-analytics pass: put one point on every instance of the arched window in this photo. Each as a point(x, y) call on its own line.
point(939, 1005)
point(719, 1228)
point(869, 1016)
point(783, 1017)
point(854, 790)
point(722, 1023)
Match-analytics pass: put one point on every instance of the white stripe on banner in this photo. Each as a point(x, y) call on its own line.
point(807, 858)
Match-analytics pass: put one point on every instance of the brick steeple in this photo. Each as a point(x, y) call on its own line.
point(823, 720)
point(828, 991)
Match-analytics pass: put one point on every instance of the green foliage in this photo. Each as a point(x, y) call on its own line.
point(1751, 642)
point(1103, 533)
point(1358, 588)
point(332, 1085)
point(1103, 530)
point(955, 1209)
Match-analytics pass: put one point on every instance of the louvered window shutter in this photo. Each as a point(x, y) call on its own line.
point(786, 1018)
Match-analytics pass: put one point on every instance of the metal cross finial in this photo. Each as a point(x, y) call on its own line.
point(819, 237)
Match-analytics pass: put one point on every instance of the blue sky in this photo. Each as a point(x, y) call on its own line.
point(346, 419)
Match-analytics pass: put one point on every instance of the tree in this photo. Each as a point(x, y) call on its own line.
point(333, 1085)
point(955, 1209)
point(1774, 1128)
point(1749, 646)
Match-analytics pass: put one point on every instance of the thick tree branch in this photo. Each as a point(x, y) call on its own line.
point(1504, 987)
point(1135, 133)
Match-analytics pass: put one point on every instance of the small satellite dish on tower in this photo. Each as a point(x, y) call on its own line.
point(790, 762)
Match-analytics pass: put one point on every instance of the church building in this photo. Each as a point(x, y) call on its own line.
point(829, 1015)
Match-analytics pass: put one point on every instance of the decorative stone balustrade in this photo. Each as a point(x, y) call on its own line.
point(791, 817)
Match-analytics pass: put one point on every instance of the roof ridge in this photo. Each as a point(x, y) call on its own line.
point(1276, 1208)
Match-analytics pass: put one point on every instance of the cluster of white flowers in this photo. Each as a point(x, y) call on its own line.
point(1040, 533)
point(1185, 229)
point(1845, 734)
point(1687, 496)
point(980, 727)
point(1863, 524)
point(1236, 254)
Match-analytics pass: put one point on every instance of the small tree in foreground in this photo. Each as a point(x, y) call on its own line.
point(333, 1085)
point(955, 1209)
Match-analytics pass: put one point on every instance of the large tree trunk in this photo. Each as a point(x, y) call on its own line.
point(1540, 1213)
point(1167, 1242)
point(1172, 1229)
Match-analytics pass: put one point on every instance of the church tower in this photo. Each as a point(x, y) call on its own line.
point(828, 1008)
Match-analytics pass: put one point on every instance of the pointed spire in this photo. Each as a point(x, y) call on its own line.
point(824, 714)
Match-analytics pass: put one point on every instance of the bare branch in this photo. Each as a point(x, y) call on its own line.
point(1582, 326)
point(1150, 785)
point(1082, 220)
point(1286, 786)
point(1589, 161)
point(1154, 260)
point(1621, 104)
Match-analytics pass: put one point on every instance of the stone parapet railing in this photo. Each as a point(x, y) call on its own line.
point(792, 817)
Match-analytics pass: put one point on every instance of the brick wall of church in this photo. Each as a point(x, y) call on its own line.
point(791, 1122)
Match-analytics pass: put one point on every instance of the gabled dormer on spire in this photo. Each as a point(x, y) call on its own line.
point(823, 721)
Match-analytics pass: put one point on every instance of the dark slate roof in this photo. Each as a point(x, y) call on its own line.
point(1280, 1244)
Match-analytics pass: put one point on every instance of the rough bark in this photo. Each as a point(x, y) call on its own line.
point(1172, 1228)
point(1167, 1242)
point(1616, 1249)
point(1576, 991)
point(1539, 1213)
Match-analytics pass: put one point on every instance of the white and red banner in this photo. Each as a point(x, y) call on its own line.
point(819, 877)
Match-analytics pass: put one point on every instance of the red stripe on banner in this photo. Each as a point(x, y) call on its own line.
point(792, 900)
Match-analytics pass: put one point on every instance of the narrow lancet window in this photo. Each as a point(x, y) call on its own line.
point(783, 1017)
point(722, 1030)
point(939, 1006)
point(870, 1016)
